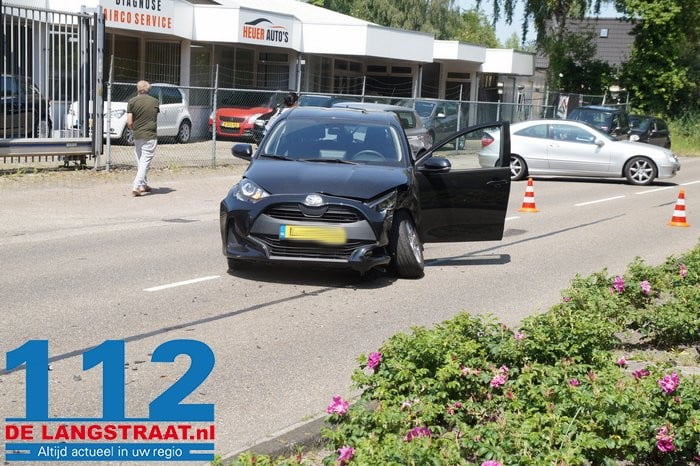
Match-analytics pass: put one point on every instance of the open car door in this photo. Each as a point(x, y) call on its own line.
point(464, 188)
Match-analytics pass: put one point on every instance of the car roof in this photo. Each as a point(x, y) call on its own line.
point(602, 108)
point(372, 106)
point(341, 113)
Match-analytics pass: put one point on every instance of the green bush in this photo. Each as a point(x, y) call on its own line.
point(553, 391)
point(685, 134)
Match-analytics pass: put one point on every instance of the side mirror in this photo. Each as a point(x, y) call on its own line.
point(440, 115)
point(436, 165)
point(242, 151)
point(599, 142)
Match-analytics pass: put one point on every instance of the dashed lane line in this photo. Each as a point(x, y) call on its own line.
point(598, 201)
point(182, 283)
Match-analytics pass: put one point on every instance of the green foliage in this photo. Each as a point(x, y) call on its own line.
point(685, 134)
point(551, 392)
point(663, 71)
point(476, 29)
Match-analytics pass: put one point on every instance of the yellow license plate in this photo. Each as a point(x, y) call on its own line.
point(326, 235)
point(230, 124)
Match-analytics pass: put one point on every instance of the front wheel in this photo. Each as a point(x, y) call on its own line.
point(518, 168)
point(405, 247)
point(184, 132)
point(640, 171)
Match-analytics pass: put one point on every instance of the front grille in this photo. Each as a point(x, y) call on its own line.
point(230, 130)
point(309, 250)
point(236, 119)
point(302, 213)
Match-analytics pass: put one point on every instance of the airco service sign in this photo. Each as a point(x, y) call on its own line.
point(139, 15)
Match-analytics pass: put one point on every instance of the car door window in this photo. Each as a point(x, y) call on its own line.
point(171, 95)
point(572, 134)
point(536, 131)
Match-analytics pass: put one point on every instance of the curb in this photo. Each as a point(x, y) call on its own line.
point(287, 441)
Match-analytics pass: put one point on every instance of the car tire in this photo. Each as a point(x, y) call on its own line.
point(405, 247)
point(640, 171)
point(184, 132)
point(518, 168)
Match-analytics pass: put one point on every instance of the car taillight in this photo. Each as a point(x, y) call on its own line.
point(486, 140)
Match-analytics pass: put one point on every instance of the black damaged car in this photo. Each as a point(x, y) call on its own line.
point(339, 187)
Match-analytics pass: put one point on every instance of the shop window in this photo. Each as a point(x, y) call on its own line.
point(162, 62)
point(123, 54)
point(273, 71)
point(401, 69)
point(376, 69)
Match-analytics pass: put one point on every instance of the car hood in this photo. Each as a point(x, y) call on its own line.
point(640, 148)
point(351, 181)
point(239, 111)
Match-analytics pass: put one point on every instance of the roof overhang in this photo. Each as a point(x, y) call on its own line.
point(452, 50)
point(508, 61)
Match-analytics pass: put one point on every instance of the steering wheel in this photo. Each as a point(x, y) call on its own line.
point(369, 155)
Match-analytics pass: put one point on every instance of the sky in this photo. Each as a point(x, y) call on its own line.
point(504, 31)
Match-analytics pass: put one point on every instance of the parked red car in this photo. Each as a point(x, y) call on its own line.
point(237, 112)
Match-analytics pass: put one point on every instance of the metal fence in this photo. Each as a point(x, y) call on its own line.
point(233, 113)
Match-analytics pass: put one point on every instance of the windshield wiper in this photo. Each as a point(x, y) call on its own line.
point(276, 157)
point(329, 161)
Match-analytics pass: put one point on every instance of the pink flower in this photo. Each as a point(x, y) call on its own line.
point(646, 287)
point(374, 360)
point(683, 271)
point(338, 406)
point(417, 432)
point(451, 409)
point(345, 454)
point(669, 383)
point(622, 362)
point(490, 463)
point(503, 370)
point(619, 284)
point(639, 373)
point(566, 299)
point(574, 382)
point(519, 336)
point(498, 380)
point(664, 440)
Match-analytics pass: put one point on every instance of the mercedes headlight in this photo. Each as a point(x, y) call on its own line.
point(634, 137)
point(248, 191)
point(117, 113)
point(384, 204)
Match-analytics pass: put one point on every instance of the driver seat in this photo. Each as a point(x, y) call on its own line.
point(378, 139)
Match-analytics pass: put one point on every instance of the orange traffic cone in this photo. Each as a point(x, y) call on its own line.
point(678, 219)
point(529, 201)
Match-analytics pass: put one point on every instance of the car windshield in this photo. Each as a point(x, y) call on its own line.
point(335, 141)
point(640, 123)
point(601, 133)
point(599, 118)
point(250, 99)
point(123, 92)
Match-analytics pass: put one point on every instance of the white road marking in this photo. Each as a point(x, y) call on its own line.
point(690, 182)
point(655, 190)
point(186, 282)
point(599, 200)
point(512, 218)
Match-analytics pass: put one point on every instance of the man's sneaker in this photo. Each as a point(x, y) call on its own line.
point(136, 192)
point(146, 188)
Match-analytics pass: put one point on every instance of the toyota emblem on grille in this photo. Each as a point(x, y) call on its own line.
point(313, 199)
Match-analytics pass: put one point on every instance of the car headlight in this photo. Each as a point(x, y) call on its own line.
point(634, 137)
point(672, 157)
point(117, 113)
point(252, 118)
point(384, 204)
point(248, 191)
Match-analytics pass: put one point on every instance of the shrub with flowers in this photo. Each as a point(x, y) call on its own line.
point(554, 391)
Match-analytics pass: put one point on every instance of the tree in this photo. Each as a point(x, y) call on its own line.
point(663, 72)
point(475, 28)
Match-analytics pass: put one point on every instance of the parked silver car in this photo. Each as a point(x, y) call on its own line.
point(441, 118)
point(417, 134)
point(572, 148)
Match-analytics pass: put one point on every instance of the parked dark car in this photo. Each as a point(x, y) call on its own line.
point(651, 130)
point(339, 187)
point(440, 117)
point(306, 100)
point(417, 134)
point(614, 121)
point(24, 112)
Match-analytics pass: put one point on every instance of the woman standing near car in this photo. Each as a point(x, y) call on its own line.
point(291, 100)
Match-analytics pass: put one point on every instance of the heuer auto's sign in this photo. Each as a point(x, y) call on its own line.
point(139, 15)
point(265, 29)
